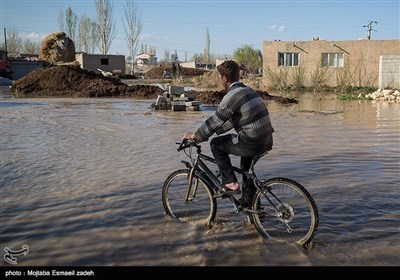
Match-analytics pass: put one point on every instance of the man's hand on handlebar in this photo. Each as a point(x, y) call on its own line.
point(188, 140)
point(189, 136)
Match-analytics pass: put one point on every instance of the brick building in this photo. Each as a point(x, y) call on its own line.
point(374, 63)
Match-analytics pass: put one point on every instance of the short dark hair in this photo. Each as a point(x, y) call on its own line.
point(230, 69)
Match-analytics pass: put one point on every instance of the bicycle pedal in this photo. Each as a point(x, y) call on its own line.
point(221, 195)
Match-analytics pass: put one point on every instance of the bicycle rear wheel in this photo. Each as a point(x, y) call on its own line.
point(201, 205)
point(285, 211)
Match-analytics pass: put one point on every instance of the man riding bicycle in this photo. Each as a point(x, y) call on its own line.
point(243, 109)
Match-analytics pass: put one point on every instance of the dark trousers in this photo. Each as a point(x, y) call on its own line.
point(223, 146)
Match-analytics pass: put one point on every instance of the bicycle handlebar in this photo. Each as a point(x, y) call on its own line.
point(186, 144)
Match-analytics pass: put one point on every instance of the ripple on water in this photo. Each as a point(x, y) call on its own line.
point(88, 173)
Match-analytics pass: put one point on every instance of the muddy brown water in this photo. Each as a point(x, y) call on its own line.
point(81, 184)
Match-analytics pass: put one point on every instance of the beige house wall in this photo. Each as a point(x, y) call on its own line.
point(361, 59)
point(389, 71)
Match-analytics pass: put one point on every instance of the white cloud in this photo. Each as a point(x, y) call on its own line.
point(33, 36)
point(275, 27)
point(146, 37)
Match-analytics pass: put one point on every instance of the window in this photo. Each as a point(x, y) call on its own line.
point(288, 59)
point(332, 59)
point(104, 61)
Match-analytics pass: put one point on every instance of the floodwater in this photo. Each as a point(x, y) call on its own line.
point(81, 184)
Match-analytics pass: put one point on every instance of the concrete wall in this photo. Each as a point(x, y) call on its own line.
point(193, 64)
point(188, 64)
point(92, 62)
point(361, 59)
point(23, 67)
point(389, 71)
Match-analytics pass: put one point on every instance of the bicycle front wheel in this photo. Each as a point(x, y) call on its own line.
point(201, 205)
point(285, 211)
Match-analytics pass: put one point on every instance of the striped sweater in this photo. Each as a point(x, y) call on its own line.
point(243, 109)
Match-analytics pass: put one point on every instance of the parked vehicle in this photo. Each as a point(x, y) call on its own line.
point(5, 65)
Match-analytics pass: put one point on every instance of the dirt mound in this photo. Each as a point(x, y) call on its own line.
point(215, 97)
point(157, 72)
point(72, 81)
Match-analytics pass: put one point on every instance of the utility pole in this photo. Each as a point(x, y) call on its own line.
point(5, 40)
point(369, 25)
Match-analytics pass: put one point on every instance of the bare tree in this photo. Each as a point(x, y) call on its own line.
point(198, 58)
point(166, 55)
point(153, 50)
point(84, 34)
point(105, 24)
point(207, 48)
point(14, 43)
point(71, 20)
point(61, 22)
point(88, 37)
point(143, 48)
point(94, 34)
point(133, 28)
point(30, 47)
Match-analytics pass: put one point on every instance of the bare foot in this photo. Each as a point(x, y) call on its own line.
point(233, 186)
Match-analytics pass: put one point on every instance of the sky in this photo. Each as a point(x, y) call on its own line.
point(181, 26)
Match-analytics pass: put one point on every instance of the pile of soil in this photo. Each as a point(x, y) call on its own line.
point(215, 97)
point(72, 81)
point(157, 72)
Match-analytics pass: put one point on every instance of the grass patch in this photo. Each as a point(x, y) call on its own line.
point(349, 96)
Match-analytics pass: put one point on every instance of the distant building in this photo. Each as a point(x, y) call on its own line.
point(146, 59)
point(29, 57)
point(193, 64)
point(109, 63)
point(374, 63)
point(189, 64)
point(219, 61)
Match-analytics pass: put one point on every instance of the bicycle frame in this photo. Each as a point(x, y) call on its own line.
point(281, 208)
point(198, 165)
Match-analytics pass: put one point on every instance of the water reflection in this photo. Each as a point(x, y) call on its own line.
point(81, 184)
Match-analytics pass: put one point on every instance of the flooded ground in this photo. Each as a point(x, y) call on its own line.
point(81, 184)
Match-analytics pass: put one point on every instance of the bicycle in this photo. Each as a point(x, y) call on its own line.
point(281, 210)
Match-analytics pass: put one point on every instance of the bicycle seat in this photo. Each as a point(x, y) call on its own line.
point(256, 158)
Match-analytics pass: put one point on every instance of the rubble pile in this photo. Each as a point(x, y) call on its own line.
point(176, 99)
point(385, 95)
point(157, 72)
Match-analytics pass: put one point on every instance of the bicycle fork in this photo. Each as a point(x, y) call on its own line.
point(189, 194)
